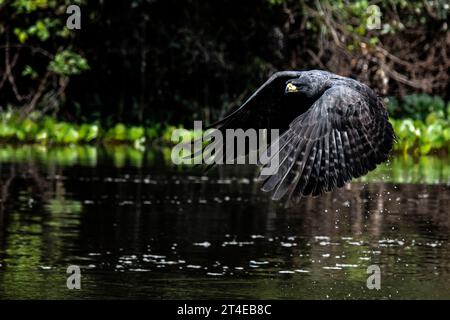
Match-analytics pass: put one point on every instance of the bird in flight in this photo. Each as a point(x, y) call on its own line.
point(332, 129)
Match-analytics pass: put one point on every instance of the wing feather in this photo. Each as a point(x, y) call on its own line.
point(343, 135)
point(260, 111)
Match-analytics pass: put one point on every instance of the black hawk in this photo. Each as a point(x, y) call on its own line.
point(332, 129)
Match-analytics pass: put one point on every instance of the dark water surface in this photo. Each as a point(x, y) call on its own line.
point(141, 229)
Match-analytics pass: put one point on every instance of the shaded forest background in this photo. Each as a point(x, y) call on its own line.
point(153, 61)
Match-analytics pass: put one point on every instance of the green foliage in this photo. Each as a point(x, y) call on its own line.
point(28, 71)
point(421, 137)
point(48, 131)
point(418, 106)
point(424, 129)
point(354, 16)
point(28, 6)
point(42, 29)
point(117, 133)
point(88, 132)
point(68, 63)
point(421, 122)
point(35, 34)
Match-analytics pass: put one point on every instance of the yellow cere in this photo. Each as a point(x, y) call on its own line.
point(291, 87)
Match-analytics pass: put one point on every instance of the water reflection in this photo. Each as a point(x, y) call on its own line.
point(142, 228)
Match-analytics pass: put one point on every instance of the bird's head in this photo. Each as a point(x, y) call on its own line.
point(299, 87)
point(306, 85)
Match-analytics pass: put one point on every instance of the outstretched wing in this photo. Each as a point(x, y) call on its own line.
point(344, 134)
point(261, 111)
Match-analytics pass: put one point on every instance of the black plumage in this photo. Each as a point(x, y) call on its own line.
point(332, 129)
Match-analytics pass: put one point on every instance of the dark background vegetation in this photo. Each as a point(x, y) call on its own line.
point(152, 62)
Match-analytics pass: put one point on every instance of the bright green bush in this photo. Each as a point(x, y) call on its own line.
point(421, 122)
point(421, 137)
point(46, 130)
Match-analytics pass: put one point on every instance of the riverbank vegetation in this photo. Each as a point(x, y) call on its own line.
point(46, 130)
point(129, 76)
point(421, 122)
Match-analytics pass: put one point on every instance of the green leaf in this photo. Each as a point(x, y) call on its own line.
point(68, 63)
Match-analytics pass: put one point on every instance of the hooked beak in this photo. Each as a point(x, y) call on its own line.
point(291, 88)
